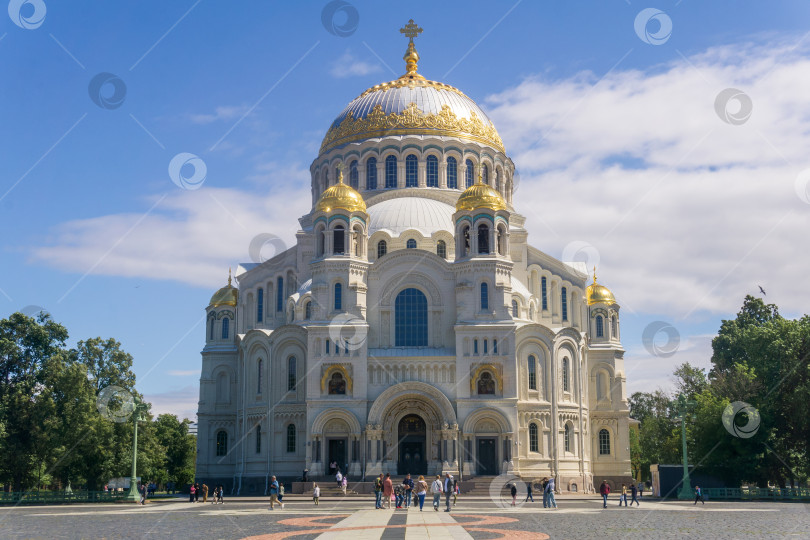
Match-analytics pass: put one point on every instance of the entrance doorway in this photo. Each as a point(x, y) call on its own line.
point(486, 457)
point(336, 453)
point(411, 436)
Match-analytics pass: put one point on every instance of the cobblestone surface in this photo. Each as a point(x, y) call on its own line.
point(579, 519)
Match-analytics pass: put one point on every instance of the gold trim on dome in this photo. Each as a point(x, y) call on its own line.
point(411, 120)
point(411, 83)
point(340, 196)
point(330, 371)
point(599, 294)
point(480, 195)
point(226, 296)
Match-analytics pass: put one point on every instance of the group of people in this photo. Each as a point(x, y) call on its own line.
point(547, 485)
point(194, 492)
point(342, 481)
point(408, 491)
point(635, 492)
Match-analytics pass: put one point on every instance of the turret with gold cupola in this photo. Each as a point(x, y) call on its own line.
point(221, 314)
point(481, 223)
point(340, 262)
point(603, 313)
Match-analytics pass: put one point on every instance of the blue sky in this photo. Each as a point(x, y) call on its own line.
point(618, 142)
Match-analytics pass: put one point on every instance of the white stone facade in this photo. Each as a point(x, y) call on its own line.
point(518, 382)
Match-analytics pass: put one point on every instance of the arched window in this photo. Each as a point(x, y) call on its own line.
point(354, 177)
point(475, 346)
point(279, 294)
point(494, 346)
point(532, 372)
point(292, 375)
point(485, 173)
point(452, 173)
point(260, 305)
point(339, 240)
point(565, 376)
point(337, 384)
point(484, 297)
point(223, 388)
point(432, 171)
point(222, 443)
point(534, 445)
point(604, 442)
point(411, 171)
point(411, 318)
point(371, 173)
point(259, 373)
point(391, 172)
point(600, 330)
point(514, 309)
point(486, 346)
point(258, 439)
point(226, 323)
point(501, 241)
point(601, 385)
point(308, 311)
point(441, 249)
point(410, 244)
point(483, 239)
point(544, 293)
point(531, 312)
point(291, 438)
point(498, 180)
point(567, 438)
point(382, 248)
point(338, 296)
point(614, 328)
point(564, 302)
point(468, 175)
point(486, 384)
point(465, 241)
point(211, 328)
point(319, 240)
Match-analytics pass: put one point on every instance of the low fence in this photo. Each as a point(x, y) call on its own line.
point(59, 497)
point(795, 494)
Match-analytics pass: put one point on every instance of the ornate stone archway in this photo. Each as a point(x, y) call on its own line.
point(431, 406)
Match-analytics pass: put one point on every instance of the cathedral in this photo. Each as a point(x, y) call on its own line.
point(412, 328)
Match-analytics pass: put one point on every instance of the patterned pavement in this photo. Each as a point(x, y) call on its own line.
point(355, 519)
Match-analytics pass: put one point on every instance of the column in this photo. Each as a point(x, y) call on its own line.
point(361, 177)
point(400, 173)
point(380, 174)
point(462, 175)
point(443, 174)
point(421, 175)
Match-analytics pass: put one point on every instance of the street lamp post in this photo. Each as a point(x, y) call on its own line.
point(133, 494)
point(683, 412)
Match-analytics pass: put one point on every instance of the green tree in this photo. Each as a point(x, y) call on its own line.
point(180, 445)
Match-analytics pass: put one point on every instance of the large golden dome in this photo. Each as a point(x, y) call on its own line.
point(599, 294)
point(226, 296)
point(340, 196)
point(411, 105)
point(480, 195)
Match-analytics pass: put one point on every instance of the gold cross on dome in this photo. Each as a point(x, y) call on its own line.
point(411, 30)
point(340, 172)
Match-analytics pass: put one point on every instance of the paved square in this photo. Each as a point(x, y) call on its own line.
point(355, 519)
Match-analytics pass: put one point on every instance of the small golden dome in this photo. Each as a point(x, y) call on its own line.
point(599, 294)
point(226, 296)
point(340, 196)
point(480, 195)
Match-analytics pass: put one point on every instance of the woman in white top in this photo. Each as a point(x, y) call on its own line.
point(316, 494)
point(436, 489)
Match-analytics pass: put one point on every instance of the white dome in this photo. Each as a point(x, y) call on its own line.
point(403, 213)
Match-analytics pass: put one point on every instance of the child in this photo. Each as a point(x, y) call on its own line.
point(316, 494)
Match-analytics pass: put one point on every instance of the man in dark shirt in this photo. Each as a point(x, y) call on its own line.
point(408, 483)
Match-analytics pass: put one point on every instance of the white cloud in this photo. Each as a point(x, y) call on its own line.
point(224, 113)
point(183, 372)
point(349, 65)
point(181, 402)
point(688, 213)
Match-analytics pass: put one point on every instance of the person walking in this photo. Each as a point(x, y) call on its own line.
point(215, 495)
point(316, 494)
point(344, 484)
point(191, 493)
point(205, 493)
point(623, 496)
point(545, 491)
point(221, 497)
point(552, 502)
point(633, 493)
point(529, 491)
point(604, 491)
point(388, 489)
point(640, 489)
point(421, 491)
point(699, 495)
point(408, 486)
point(378, 487)
point(513, 491)
point(197, 491)
point(274, 488)
point(436, 490)
point(456, 491)
point(339, 478)
point(449, 486)
point(142, 491)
